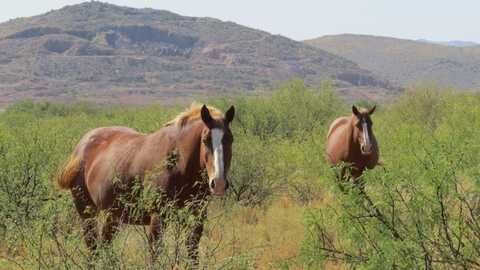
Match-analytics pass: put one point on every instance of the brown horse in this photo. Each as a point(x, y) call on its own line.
point(351, 140)
point(175, 161)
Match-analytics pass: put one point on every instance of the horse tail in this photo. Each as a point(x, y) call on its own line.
point(69, 172)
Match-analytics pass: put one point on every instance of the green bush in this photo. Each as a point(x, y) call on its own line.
point(419, 210)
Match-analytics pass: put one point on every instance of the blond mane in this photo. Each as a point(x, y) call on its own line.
point(363, 110)
point(193, 113)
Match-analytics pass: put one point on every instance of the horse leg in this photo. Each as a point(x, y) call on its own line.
point(357, 178)
point(348, 174)
point(87, 211)
point(194, 237)
point(110, 228)
point(342, 178)
point(155, 234)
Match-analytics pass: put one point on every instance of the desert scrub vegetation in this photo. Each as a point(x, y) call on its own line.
point(284, 209)
point(419, 210)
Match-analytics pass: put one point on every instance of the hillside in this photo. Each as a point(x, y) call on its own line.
point(453, 43)
point(405, 62)
point(109, 53)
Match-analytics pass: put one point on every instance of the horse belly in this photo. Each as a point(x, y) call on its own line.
point(131, 214)
point(125, 200)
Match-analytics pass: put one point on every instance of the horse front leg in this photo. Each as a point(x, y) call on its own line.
point(193, 240)
point(358, 180)
point(155, 235)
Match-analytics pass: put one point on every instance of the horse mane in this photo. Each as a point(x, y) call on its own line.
point(363, 110)
point(191, 114)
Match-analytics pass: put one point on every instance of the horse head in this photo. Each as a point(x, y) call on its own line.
point(216, 149)
point(363, 133)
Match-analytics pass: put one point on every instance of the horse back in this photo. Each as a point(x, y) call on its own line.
point(100, 141)
point(337, 140)
point(336, 124)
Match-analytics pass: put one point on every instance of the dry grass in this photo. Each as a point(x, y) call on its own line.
point(267, 237)
point(270, 236)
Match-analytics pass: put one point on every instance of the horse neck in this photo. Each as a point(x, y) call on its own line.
point(352, 139)
point(188, 144)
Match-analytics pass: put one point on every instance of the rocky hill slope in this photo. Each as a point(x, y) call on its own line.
point(405, 62)
point(108, 53)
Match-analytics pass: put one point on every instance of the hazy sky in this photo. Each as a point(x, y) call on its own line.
point(303, 19)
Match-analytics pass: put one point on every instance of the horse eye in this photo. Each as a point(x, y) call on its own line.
point(207, 140)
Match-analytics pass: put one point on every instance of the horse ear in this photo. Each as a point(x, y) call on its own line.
point(230, 114)
point(355, 110)
point(372, 110)
point(206, 117)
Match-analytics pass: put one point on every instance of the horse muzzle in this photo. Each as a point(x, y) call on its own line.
point(366, 149)
point(218, 187)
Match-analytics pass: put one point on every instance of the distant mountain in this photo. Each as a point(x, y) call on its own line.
point(452, 43)
point(109, 53)
point(405, 62)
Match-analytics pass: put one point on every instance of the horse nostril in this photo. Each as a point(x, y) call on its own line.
point(212, 184)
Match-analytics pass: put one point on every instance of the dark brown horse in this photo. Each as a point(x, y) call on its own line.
point(351, 140)
point(185, 161)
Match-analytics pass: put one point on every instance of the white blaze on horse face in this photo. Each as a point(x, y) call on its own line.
point(219, 177)
point(367, 147)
